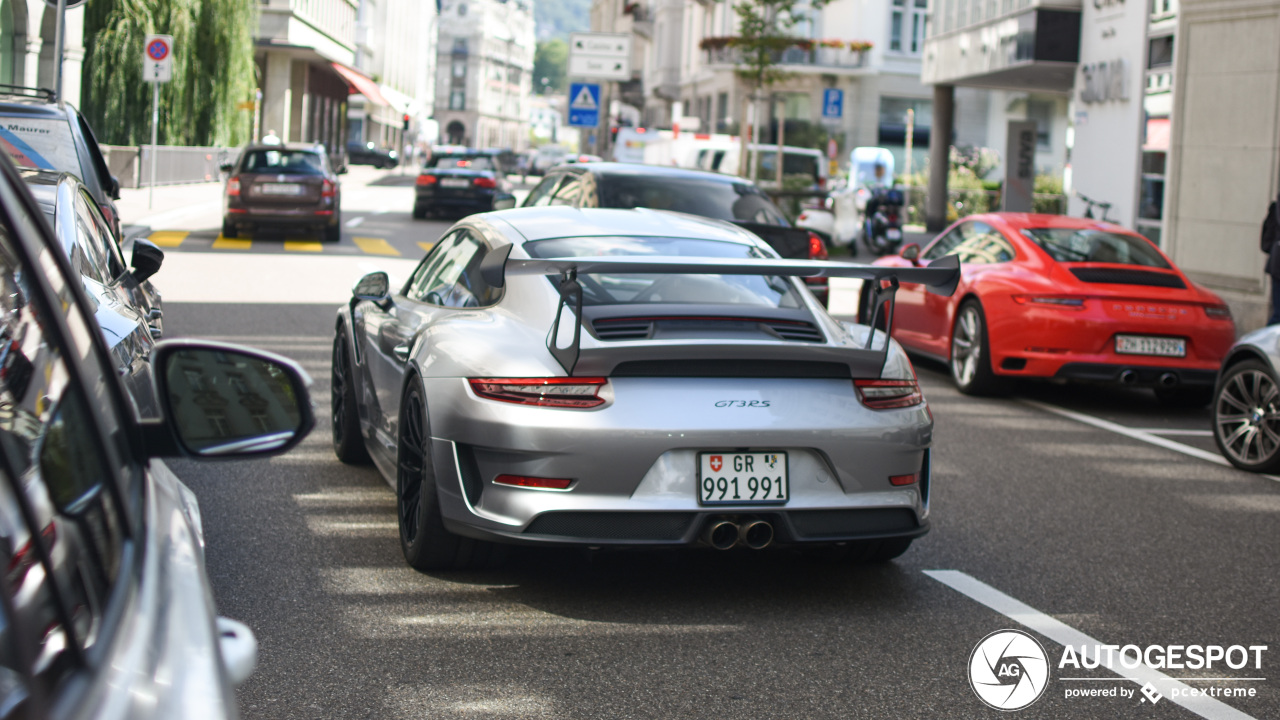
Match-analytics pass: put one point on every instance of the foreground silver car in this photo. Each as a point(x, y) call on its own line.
point(696, 400)
point(1246, 402)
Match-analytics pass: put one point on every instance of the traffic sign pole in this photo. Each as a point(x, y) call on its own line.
point(157, 67)
point(155, 124)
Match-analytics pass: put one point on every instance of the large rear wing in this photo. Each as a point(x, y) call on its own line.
point(940, 277)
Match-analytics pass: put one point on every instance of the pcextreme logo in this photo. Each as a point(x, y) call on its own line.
point(1008, 670)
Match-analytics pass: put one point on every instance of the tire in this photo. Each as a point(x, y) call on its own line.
point(229, 230)
point(886, 550)
point(426, 543)
point(861, 552)
point(333, 233)
point(1247, 438)
point(419, 213)
point(1188, 398)
point(971, 352)
point(348, 441)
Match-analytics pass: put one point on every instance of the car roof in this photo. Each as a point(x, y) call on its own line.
point(639, 170)
point(309, 147)
point(558, 221)
point(34, 106)
point(1018, 221)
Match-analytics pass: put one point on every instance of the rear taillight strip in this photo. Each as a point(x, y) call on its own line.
point(561, 392)
point(888, 394)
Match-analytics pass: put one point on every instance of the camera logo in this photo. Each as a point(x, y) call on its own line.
point(1008, 670)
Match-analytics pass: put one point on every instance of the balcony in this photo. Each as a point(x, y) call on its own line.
point(814, 59)
point(1035, 47)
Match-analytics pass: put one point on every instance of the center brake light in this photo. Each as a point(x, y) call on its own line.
point(485, 182)
point(888, 394)
point(560, 392)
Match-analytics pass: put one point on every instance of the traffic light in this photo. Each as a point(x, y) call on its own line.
point(406, 121)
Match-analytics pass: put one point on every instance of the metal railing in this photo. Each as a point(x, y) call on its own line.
point(174, 165)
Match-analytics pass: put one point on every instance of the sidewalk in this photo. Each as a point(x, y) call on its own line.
point(138, 213)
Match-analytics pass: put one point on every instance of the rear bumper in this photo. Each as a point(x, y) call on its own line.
point(1141, 375)
point(477, 201)
point(313, 216)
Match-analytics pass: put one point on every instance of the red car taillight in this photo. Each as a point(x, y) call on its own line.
point(1066, 303)
point(817, 248)
point(533, 482)
point(1218, 312)
point(426, 180)
point(561, 392)
point(485, 182)
point(233, 186)
point(329, 189)
point(888, 394)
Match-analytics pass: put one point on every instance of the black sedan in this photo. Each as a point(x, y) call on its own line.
point(722, 197)
point(370, 154)
point(461, 182)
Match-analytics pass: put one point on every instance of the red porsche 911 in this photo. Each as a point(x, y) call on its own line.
point(1048, 296)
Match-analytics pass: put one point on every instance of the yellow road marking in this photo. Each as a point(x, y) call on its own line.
point(168, 238)
point(375, 246)
point(426, 246)
point(303, 245)
point(224, 243)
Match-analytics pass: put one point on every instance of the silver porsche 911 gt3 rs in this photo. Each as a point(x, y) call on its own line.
point(634, 378)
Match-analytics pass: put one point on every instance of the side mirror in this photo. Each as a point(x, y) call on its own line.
point(911, 252)
point(342, 170)
point(504, 201)
point(226, 401)
point(114, 190)
point(226, 167)
point(146, 259)
point(374, 287)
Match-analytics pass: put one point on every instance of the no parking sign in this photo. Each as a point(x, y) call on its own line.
point(157, 58)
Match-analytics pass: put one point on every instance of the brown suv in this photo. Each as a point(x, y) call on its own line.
point(283, 186)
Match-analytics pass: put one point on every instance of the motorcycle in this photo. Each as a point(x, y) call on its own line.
point(882, 221)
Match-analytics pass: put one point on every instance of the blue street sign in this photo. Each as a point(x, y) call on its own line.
point(584, 104)
point(832, 103)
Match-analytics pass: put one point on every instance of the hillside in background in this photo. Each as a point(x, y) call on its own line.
point(558, 18)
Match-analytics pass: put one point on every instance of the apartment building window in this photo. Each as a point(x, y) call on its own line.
point(722, 111)
point(459, 68)
point(458, 100)
point(907, 26)
point(1159, 52)
point(459, 46)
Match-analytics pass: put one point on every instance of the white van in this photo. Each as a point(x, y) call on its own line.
point(795, 161)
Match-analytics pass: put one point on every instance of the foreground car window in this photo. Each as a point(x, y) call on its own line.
point(294, 162)
point(1067, 245)
point(708, 198)
point(609, 289)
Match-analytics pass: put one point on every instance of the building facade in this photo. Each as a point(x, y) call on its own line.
point(27, 46)
point(484, 75)
point(395, 47)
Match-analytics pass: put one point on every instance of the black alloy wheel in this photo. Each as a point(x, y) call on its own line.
point(426, 543)
point(348, 443)
point(1246, 417)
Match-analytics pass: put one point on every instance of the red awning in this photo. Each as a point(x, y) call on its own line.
point(361, 84)
point(1157, 134)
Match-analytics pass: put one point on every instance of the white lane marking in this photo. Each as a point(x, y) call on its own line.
point(1063, 634)
point(1174, 431)
point(1143, 435)
point(355, 222)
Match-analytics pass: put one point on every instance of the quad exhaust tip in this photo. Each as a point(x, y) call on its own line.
point(1128, 377)
point(1168, 380)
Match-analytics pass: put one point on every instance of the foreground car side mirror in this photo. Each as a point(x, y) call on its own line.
point(225, 167)
point(911, 252)
point(504, 201)
point(114, 190)
point(146, 259)
point(226, 401)
point(374, 287)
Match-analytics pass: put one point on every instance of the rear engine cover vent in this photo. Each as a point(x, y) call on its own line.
point(644, 328)
point(1126, 276)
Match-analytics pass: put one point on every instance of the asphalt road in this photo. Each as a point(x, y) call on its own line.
point(1091, 522)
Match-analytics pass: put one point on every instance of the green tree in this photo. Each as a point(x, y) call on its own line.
point(213, 70)
point(550, 61)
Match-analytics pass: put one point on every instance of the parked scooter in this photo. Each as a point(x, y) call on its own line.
point(882, 221)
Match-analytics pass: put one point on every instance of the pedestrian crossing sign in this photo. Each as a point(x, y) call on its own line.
point(584, 106)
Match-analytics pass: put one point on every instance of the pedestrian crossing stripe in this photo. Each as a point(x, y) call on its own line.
point(426, 246)
point(375, 246)
point(168, 238)
point(365, 245)
point(585, 100)
point(303, 245)
point(225, 243)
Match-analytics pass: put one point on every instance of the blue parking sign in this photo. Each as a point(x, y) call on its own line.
point(584, 104)
point(832, 103)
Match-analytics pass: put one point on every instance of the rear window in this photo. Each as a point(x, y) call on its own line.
point(462, 162)
point(1068, 245)
point(292, 162)
point(628, 288)
point(792, 164)
point(709, 198)
point(40, 142)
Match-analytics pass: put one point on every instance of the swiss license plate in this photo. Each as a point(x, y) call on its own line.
point(1147, 345)
point(893, 234)
point(455, 182)
point(280, 189)
point(742, 478)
